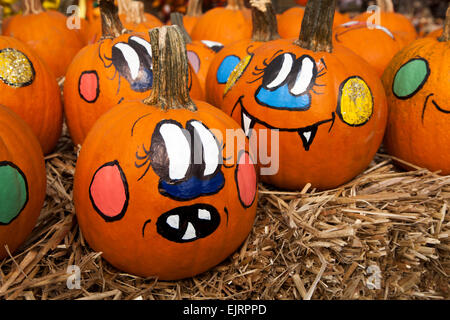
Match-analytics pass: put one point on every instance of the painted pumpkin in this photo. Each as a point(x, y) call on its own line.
point(264, 28)
point(375, 44)
point(223, 24)
point(46, 33)
point(416, 82)
point(30, 89)
point(106, 73)
point(290, 21)
point(200, 53)
point(319, 111)
point(22, 181)
point(155, 193)
point(397, 23)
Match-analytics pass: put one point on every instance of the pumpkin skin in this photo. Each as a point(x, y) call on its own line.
point(33, 93)
point(137, 240)
point(290, 21)
point(435, 34)
point(22, 181)
point(222, 25)
point(320, 130)
point(47, 34)
point(376, 45)
point(419, 111)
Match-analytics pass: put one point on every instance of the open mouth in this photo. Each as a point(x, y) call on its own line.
point(307, 134)
point(188, 223)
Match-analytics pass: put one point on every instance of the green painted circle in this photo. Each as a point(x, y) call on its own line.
point(13, 192)
point(410, 78)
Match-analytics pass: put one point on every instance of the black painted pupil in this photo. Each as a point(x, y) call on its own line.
point(273, 69)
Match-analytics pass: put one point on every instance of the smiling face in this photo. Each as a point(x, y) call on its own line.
point(166, 202)
point(329, 110)
point(416, 84)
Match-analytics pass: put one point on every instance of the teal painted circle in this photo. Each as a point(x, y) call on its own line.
point(410, 78)
point(13, 192)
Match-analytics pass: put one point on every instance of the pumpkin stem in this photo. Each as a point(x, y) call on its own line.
point(123, 6)
point(111, 25)
point(388, 6)
point(234, 5)
point(446, 32)
point(170, 70)
point(194, 8)
point(264, 21)
point(135, 13)
point(1, 19)
point(317, 25)
point(32, 7)
point(177, 20)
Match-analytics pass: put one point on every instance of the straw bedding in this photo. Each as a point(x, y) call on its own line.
point(384, 235)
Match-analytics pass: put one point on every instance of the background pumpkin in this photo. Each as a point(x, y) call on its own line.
point(113, 70)
point(30, 89)
point(47, 34)
point(190, 228)
point(416, 82)
point(327, 104)
point(22, 181)
point(223, 24)
point(264, 28)
point(397, 23)
point(375, 44)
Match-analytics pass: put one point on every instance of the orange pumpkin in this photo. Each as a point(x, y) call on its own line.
point(290, 21)
point(436, 33)
point(46, 33)
point(376, 44)
point(193, 13)
point(200, 53)
point(264, 28)
point(318, 110)
point(22, 181)
point(165, 153)
point(30, 90)
point(395, 22)
point(416, 82)
point(223, 24)
point(113, 70)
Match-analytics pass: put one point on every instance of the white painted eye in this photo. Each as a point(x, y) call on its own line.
point(131, 57)
point(283, 72)
point(143, 43)
point(304, 76)
point(213, 45)
point(349, 24)
point(384, 29)
point(178, 150)
point(210, 147)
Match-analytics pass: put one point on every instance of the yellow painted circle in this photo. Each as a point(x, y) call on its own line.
point(237, 72)
point(356, 102)
point(15, 68)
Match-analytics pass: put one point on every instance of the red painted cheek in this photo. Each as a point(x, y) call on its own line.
point(109, 191)
point(88, 86)
point(246, 179)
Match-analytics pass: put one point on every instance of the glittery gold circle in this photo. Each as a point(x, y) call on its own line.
point(15, 68)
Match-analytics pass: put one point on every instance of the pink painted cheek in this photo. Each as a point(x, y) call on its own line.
point(88, 86)
point(246, 179)
point(109, 191)
point(194, 60)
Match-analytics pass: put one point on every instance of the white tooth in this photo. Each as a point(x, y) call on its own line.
point(173, 221)
point(247, 123)
point(190, 232)
point(307, 135)
point(204, 214)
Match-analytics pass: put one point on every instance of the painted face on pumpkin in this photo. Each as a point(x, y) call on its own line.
point(410, 78)
point(130, 61)
point(188, 159)
point(289, 83)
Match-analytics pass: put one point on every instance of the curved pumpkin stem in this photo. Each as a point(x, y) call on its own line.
point(32, 7)
point(264, 21)
point(317, 25)
point(446, 32)
point(176, 19)
point(170, 70)
point(111, 25)
point(194, 8)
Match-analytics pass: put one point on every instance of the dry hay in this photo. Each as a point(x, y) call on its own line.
point(304, 245)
